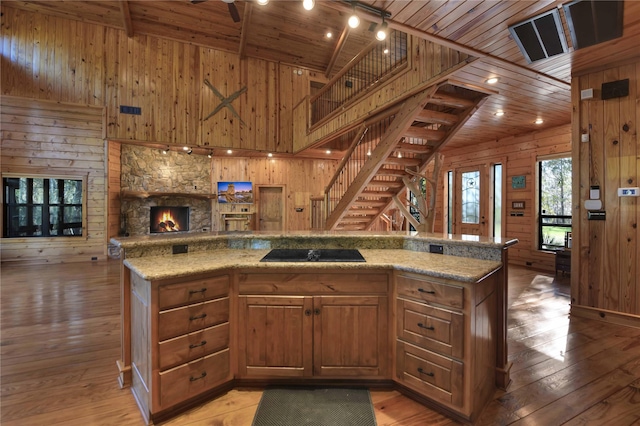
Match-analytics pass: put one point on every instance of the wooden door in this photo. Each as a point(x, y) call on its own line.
point(270, 208)
point(471, 201)
point(350, 335)
point(275, 336)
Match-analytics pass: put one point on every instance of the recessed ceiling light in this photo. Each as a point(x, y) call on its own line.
point(229, 151)
point(329, 34)
point(539, 121)
point(269, 155)
point(263, 2)
point(492, 80)
point(499, 113)
point(328, 151)
point(308, 4)
point(386, 51)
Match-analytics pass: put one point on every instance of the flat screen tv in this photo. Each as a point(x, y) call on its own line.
point(235, 193)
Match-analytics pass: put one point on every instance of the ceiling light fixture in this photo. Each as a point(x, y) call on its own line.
point(382, 32)
point(354, 21)
point(190, 151)
point(185, 148)
point(229, 151)
point(539, 121)
point(329, 34)
point(164, 151)
point(386, 51)
point(328, 151)
point(269, 155)
point(492, 80)
point(210, 154)
point(499, 113)
point(263, 2)
point(308, 4)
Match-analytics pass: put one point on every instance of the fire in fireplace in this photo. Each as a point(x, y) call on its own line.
point(169, 219)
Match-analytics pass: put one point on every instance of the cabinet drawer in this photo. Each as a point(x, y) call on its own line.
point(431, 328)
point(172, 295)
point(429, 291)
point(177, 321)
point(430, 374)
point(317, 283)
point(188, 380)
point(194, 345)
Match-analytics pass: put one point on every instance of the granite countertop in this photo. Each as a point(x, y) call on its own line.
point(435, 265)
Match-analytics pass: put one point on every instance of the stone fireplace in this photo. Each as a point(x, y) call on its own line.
point(160, 181)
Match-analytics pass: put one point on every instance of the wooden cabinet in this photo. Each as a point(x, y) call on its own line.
point(446, 340)
point(313, 325)
point(179, 339)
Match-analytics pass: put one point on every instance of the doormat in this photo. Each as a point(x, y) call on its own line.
point(315, 407)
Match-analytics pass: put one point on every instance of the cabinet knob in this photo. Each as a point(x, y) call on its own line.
point(307, 312)
point(317, 311)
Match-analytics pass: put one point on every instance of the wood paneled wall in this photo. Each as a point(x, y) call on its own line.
point(301, 179)
point(605, 274)
point(52, 58)
point(56, 139)
point(518, 156)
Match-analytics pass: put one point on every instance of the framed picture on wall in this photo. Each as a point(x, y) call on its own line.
point(235, 193)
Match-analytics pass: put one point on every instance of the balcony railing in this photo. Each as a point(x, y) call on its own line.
point(365, 70)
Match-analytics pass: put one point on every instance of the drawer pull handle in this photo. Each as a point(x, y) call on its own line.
point(197, 317)
point(202, 290)
point(307, 312)
point(428, 327)
point(421, 371)
point(421, 290)
point(317, 311)
point(197, 345)
point(202, 376)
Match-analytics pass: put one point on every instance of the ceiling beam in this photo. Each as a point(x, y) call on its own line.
point(248, 8)
point(126, 18)
point(337, 51)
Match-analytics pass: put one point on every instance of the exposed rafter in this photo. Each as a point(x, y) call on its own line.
point(126, 18)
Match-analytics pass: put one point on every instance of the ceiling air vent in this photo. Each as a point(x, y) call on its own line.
point(540, 37)
point(591, 22)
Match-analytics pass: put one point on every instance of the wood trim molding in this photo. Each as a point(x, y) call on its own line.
point(619, 318)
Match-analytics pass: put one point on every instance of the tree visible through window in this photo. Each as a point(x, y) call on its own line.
point(42, 207)
point(555, 203)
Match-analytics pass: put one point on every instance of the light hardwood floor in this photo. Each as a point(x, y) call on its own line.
point(60, 338)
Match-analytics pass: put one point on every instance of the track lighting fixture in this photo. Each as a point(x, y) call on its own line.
point(381, 34)
point(165, 150)
point(308, 4)
point(210, 154)
point(354, 21)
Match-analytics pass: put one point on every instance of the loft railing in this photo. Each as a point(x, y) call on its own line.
point(365, 70)
point(365, 139)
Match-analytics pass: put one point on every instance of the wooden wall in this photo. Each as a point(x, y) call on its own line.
point(605, 279)
point(56, 139)
point(301, 178)
point(518, 156)
point(52, 58)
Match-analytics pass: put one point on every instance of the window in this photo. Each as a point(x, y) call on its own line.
point(42, 207)
point(554, 193)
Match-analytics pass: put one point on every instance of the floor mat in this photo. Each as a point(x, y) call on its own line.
point(315, 407)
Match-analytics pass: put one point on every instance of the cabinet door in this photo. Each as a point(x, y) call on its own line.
point(275, 335)
point(350, 336)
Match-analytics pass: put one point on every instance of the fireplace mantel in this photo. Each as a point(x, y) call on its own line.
point(130, 195)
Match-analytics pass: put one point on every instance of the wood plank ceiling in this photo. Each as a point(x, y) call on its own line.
point(283, 31)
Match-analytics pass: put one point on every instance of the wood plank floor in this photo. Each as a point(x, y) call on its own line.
point(60, 340)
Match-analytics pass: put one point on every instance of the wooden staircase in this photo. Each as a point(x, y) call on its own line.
point(372, 172)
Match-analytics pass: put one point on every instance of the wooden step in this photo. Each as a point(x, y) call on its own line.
point(437, 117)
point(406, 162)
point(361, 211)
point(450, 100)
point(414, 148)
point(392, 172)
point(371, 193)
point(424, 133)
point(369, 203)
point(386, 183)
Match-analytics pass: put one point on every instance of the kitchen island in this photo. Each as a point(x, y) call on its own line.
point(212, 316)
